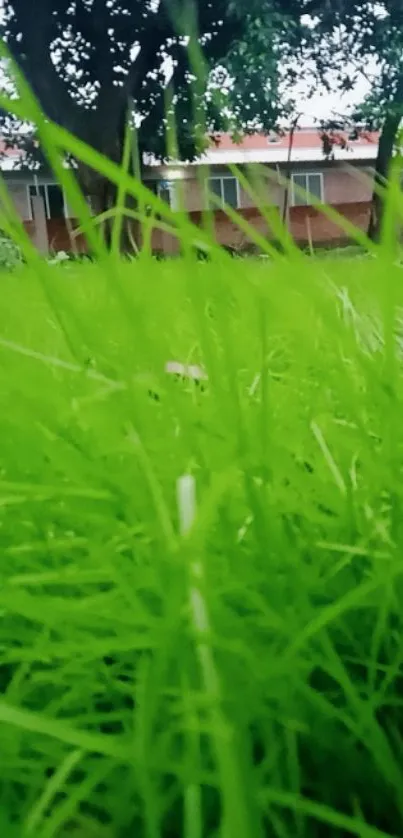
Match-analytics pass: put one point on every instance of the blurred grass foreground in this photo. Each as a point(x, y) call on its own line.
point(201, 581)
point(223, 656)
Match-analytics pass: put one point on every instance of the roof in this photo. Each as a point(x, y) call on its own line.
point(306, 145)
point(8, 156)
point(303, 138)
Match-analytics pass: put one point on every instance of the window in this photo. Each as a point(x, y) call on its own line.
point(311, 182)
point(53, 198)
point(166, 190)
point(227, 190)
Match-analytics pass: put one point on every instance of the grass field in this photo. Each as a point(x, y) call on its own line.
point(243, 678)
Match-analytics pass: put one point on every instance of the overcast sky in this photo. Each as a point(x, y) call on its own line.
point(323, 105)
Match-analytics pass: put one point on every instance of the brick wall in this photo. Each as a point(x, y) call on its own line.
point(59, 235)
point(306, 224)
point(309, 223)
point(60, 238)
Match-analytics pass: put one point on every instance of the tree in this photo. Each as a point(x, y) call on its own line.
point(261, 90)
point(332, 43)
point(382, 110)
point(346, 39)
point(90, 61)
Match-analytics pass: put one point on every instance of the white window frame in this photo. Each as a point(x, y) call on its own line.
point(222, 178)
point(35, 186)
point(170, 186)
point(307, 175)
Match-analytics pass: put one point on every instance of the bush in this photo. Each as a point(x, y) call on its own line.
point(10, 253)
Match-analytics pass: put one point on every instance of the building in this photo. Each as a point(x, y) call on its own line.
point(343, 180)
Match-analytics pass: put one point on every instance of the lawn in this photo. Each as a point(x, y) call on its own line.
point(227, 665)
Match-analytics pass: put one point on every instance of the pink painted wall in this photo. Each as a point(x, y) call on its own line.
point(193, 194)
point(269, 193)
point(342, 186)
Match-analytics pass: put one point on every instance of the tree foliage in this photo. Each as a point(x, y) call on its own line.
point(351, 39)
point(85, 58)
point(89, 62)
point(331, 44)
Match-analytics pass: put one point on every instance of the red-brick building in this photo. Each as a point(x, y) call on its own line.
point(287, 171)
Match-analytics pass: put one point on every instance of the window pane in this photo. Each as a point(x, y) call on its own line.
point(165, 194)
point(166, 191)
point(299, 199)
point(215, 186)
point(56, 201)
point(230, 192)
point(315, 186)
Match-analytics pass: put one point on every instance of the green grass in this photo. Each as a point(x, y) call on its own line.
point(224, 668)
point(243, 679)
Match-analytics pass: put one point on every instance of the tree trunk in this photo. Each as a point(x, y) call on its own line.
point(96, 189)
point(102, 195)
point(382, 167)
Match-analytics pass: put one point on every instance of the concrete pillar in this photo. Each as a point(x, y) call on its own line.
point(40, 233)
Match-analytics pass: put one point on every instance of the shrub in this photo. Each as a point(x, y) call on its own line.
point(10, 253)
